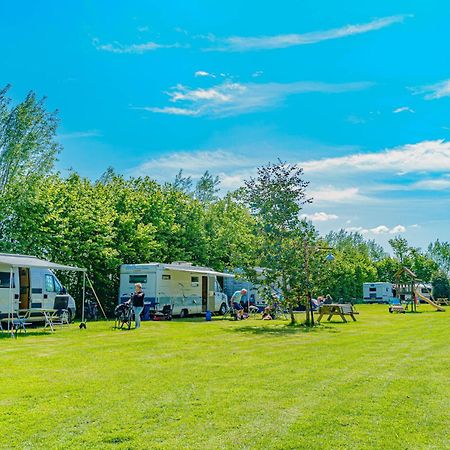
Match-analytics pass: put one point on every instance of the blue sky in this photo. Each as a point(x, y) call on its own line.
point(356, 92)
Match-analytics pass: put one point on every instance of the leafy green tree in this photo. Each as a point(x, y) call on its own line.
point(440, 253)
point(441, 285)
point(207, 188)
point(182, 183)
point(28, 148)
point(230, 237)
point(275, 198)
point(400, 247)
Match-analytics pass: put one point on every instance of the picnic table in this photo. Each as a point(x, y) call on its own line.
point(50, 317)
point(337, 309)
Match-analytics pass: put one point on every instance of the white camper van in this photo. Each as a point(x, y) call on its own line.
point(380, 292)
point(33, 285)
point(188, 289)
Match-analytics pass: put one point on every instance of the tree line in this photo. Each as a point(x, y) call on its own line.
point(100, 224)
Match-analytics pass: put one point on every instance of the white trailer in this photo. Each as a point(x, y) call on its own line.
point(379, 292)
point(28, 283)
point(188, 289)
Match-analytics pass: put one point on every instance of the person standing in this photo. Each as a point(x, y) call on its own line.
point(236, 303)
point(137, 302)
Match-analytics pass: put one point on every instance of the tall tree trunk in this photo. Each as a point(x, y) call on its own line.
point(291, 312)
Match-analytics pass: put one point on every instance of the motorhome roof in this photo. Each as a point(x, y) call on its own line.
point(179, 267)
point(31, 261)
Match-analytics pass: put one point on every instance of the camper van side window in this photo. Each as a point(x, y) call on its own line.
point(49, 284)
point(194, 281)
point(138, 279)
point(4, 280)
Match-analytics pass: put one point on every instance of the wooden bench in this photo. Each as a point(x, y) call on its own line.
point(337, 309)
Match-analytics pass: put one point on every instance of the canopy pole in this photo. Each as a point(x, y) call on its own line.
point(11, 300)
point(96, 297)
point(84, 297)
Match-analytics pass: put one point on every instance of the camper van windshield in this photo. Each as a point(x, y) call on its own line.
point(4, 280)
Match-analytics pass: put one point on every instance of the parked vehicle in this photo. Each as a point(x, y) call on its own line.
point(186, 288)
point(379, 292)
point(33, 285)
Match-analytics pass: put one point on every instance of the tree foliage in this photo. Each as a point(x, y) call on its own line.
point(275, 198)
point(27, 139)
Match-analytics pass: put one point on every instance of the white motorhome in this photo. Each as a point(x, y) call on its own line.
point(188, 289)
point(379, 292)
point(29, 283)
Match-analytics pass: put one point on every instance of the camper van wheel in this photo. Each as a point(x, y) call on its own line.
point(223, 309)
point(183, 313)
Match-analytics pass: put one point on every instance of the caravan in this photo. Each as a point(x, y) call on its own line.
point(28, 283)
point(380, 292)
point(186, 288)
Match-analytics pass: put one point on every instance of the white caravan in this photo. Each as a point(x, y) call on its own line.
point(33, 285)
point(188, 289)
point(380, 292)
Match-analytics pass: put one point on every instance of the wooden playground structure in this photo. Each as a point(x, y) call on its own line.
point(408, 290)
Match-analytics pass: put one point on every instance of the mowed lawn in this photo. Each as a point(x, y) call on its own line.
point(379, 383)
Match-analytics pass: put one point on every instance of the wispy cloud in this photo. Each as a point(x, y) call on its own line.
point(333, 194)
point(403, 109)
point(319, 217)
point(193, 163)
point(137, 49)
point(243, 44)
point(230, 98)
point(424, 156)
point(80, 134)
point(434, 91)
point(437, 184)
point(203, 73)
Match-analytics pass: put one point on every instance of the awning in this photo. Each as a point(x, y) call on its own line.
point(196, 269)
point(31, 261)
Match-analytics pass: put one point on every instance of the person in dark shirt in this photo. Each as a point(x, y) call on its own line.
point(137, 302)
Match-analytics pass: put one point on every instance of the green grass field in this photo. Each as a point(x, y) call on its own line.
point(379, 383)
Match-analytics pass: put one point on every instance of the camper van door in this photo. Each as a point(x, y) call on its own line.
point(5, 299)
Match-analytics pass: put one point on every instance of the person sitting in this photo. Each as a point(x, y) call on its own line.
point(328, 299)
point(267, 313)
point(236, 303)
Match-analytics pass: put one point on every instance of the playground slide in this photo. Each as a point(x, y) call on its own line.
point(426, 299)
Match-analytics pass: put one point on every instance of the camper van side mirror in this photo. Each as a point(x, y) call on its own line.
point(63, 290)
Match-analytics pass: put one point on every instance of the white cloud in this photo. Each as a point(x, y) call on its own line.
point(170, 110)
point(80, 134)
point(257, 74)
point(242, 44)
point(380, 229)
point(332, 194)
point(319, 217)
point(202, 73)
point(192, 163)
point(403, 109)
point(357, 230)
point(383, 229)
point(434, 184)
point(397, 229)
point(431, 156)
point(434, 91)
point(228, 98)
point(137, 49)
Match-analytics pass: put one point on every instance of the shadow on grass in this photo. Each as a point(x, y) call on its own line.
point(7, 334)
point(282, 330)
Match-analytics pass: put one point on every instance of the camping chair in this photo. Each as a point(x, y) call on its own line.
point(61, 307)
point(164, 314)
